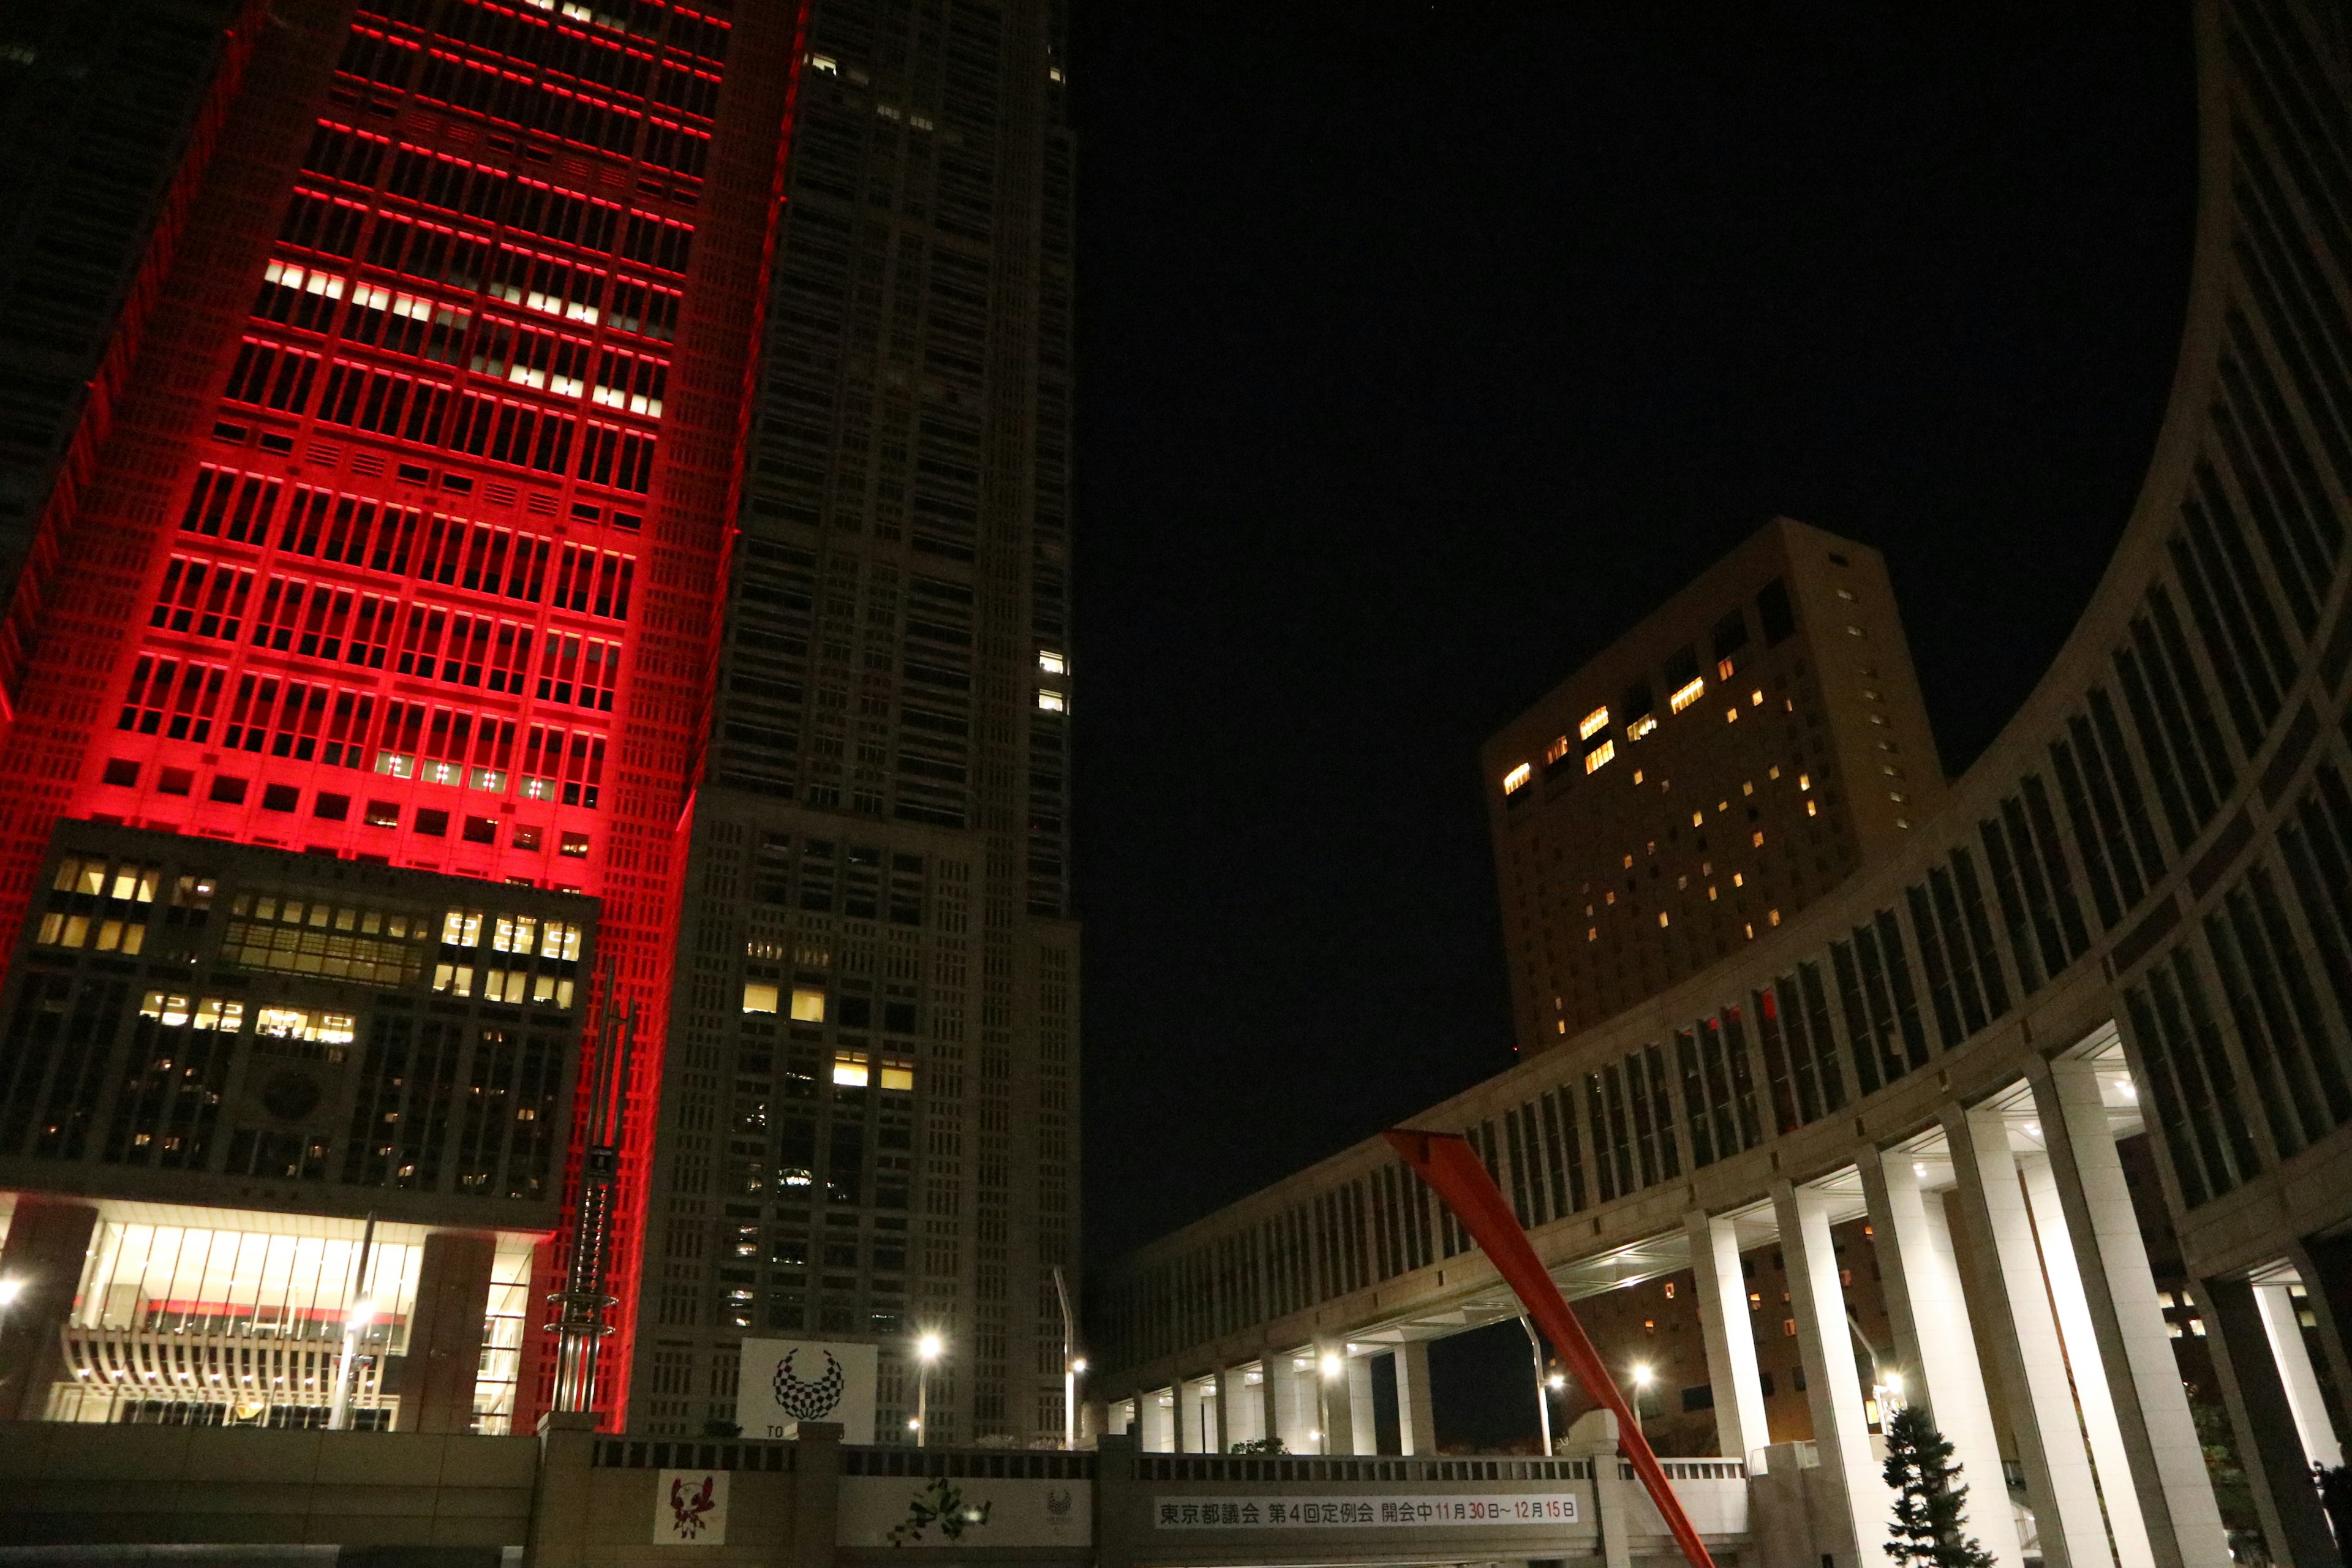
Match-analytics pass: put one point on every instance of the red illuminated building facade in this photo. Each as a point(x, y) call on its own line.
point(403, 535)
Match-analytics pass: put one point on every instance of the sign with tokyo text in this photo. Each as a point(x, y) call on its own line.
point(1361, 1512)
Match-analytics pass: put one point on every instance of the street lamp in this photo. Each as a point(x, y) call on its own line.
point(927, 1352)
point(10, 1290)
point(1643, 1378)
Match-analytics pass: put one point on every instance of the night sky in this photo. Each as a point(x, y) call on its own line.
point(1424, 348)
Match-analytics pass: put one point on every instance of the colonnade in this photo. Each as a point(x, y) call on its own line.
point(2007, 1225)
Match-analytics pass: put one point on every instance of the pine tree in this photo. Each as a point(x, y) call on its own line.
point(1931, 1502)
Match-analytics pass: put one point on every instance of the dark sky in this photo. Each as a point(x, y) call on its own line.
point(1425, 347)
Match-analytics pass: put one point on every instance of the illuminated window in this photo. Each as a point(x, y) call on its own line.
point(1599, 756)
point(1731, 715)
point(1516, 779)
point(1698, 818)
point(1774, 917)
point(1758, 839)
point(514, 934)
point(1593, 933)
point(1051, 701)
point(551, 990)
point(303, 1024)
point(1661, 916)
point(1853, 631)
point(1804, 781)
point(1812, 808)
point(1640, 727)
point(808, 1005)
point(896, 1074)
point(1591, 723)
point(1637, 775)
point(1557, 749)
point(759, 996)
point(1737, 881)
point(1773, 772)
point(824, 63)
point(559, 939)
point(1687, 694)
point(171, 1012)
point(849, 1069)
point(1725, 669)
point(462, 928)
point(1052, 663)
point(455, 978)
point(1756, 697)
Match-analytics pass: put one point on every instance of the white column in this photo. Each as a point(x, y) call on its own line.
point(1362, 1420)
point(1416, 1410)
point(2297, 1376)
point(1934, 1343)
point(1220, 1389)
point(2167, 1478)
point(2093, 1394)
point(1247, 1392)
point(2017, 1322)
point(1832, 1385)
point(1292, 1399)
point(1119, 1418)
point(1186, 1418)
point(2293, 1526)
point(1729, 1336)
point(1159, 1421)
point(1335, 1412)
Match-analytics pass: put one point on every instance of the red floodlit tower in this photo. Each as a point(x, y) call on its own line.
point(404, 539)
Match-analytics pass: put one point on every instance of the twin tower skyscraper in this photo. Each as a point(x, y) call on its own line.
point(520, 511)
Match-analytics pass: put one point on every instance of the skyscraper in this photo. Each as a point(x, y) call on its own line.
point(400, 545)
point(393, 695)
point(1740, 752)
point(868, 1117)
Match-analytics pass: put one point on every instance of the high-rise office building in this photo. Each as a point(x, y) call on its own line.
point(1711, 773)
point(362, 734)
point(400, 546)
point(870, 1109)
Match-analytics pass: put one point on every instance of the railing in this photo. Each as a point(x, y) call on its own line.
point(1693, 1470)
point(977, 1464)
point(622, 1454)
point(1282, 1467)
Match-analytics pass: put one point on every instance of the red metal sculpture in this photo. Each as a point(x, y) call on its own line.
point(1451, 1168)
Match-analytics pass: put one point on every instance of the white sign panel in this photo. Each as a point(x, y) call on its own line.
point(964, 1511)
point(786, 1381)
point(1360, 1512)
point(691, 1508)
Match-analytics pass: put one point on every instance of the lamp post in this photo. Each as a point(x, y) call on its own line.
point(10, 1290)
point(927, 1352)
point(1643, 1378)
point(1543, 1398)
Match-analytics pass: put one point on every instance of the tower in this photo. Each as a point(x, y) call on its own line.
point(383, 599)
point(868, 1118)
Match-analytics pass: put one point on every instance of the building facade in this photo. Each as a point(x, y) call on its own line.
point(869, 1129)
point(1733, 757)
point(399, 545)
point(2160, 844)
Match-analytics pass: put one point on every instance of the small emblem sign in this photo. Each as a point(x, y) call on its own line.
point(786, 1381)
point(691, 1508)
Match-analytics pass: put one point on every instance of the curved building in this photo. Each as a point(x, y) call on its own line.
point(2133, 915)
